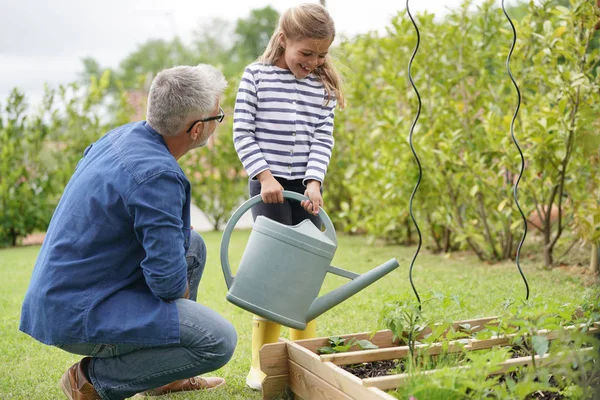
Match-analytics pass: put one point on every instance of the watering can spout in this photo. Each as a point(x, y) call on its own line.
point(335, 297)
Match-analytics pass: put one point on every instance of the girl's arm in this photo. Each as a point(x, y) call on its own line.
point(244, 115)
point(321, 146)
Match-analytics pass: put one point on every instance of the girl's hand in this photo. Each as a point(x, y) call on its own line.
point(313, 192)
point(271, 191)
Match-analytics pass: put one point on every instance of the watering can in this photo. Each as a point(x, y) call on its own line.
point(283, 268)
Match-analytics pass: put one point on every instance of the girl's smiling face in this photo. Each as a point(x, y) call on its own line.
point(303, 56)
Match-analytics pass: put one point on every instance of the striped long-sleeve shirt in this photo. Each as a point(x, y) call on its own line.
point(283, 124)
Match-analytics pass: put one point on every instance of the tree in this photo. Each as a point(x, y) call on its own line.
point(137, 69)
point(252, 34)
point(40, 149)
point(563, 84)
point(25, 179)
point(462, 137)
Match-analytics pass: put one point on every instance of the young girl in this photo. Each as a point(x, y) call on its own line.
point(282, 130)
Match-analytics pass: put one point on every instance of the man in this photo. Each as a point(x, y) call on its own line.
point(117, 275)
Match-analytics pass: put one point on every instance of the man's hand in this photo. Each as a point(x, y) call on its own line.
point(271, 191)
point(313, 192)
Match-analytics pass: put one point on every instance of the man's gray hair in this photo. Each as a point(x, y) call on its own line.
point(182, 93)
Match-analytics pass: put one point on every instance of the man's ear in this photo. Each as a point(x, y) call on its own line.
point(197, 131)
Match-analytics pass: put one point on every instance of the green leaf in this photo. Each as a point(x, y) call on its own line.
point(474, 190)
point(366, 345)
point(325, 350)
point(540, 344)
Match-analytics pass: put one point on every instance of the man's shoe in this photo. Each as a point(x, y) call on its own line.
point(76, 385)
point(185, 385)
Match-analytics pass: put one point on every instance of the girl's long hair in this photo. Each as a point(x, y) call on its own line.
point(307, 21)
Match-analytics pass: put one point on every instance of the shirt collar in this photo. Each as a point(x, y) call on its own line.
point(154, 133)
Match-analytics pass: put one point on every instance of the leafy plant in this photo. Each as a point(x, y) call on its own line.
point(341, 345)
point(470, 164)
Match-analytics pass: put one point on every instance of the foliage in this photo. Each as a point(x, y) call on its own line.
point(215, 42)
point(25, 180)
point(470, 164)
point(562, 81)
point(252, 34)
point(526, 324)
point(40, 150)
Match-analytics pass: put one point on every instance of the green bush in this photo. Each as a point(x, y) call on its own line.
point(462, 137)
point(40, 149)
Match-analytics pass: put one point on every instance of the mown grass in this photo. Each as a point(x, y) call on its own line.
point(30, 370)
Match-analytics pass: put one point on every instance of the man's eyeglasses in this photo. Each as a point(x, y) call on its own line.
point(219, 118)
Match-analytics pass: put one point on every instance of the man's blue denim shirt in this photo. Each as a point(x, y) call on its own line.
point(114, 254)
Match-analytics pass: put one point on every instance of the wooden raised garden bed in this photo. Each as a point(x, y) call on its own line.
point(298, 366)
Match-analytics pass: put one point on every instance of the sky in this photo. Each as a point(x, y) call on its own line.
point(44, 41)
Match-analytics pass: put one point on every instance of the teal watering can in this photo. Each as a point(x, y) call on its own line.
point(283, 268)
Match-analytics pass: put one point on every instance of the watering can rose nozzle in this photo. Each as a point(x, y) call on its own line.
point(283, 268)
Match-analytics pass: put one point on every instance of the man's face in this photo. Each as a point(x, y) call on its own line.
point(204, 130)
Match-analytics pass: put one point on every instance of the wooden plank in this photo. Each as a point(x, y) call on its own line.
point(274, 386)
point(391, 353)
point(348, 383)
point(329, 372)
point(381, 394)
point(540, 361)
point(477, 325)
point(274, 359)
point(309, 386)
point(381, 339)
point(301, 355)
point(392, 382)
point(476, 344)
point(356, 357)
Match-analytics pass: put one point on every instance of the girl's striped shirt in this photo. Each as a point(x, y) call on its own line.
point(283, 124)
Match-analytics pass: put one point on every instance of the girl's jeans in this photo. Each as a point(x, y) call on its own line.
point(207, 342)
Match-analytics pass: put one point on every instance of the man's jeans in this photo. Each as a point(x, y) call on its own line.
point(207, 342)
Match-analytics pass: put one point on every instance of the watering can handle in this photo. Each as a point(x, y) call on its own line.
point(329, 229)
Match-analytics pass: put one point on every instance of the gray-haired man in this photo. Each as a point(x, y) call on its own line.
point(117, 275)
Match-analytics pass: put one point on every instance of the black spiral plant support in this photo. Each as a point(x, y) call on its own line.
point(512, 134)
point(410, 136)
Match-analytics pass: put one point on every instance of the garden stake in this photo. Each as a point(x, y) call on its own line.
point(410, 136)
point(512, 134)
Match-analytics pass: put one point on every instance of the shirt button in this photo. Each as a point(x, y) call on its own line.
point(294, 102)
point(291, 152)
point(293, 133)
point(290, 167)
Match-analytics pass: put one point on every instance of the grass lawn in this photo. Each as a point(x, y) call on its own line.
point(30, 370)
